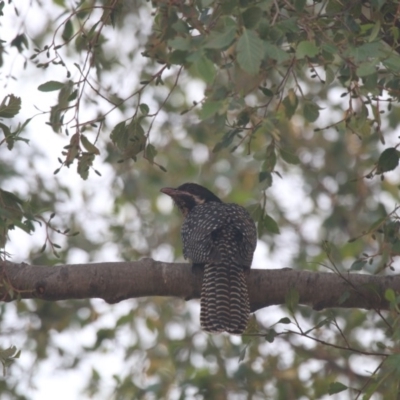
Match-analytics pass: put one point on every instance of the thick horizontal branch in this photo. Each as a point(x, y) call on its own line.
point(116, 281)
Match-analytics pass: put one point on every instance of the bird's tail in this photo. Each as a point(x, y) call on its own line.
point(224, 299)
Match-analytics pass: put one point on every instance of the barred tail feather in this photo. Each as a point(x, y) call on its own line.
point(224, 299)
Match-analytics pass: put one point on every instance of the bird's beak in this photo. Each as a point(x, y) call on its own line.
point(168, 191)
point(172, 192)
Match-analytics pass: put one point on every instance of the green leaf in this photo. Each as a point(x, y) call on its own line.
point(177, 57)
point(371, 390)
point(50, 86)
point(57, 111)
point(180, 26)
point(68, 31)
point(284, 320)
point(84, 163)
point(194, 56)
point(144, 108)
point(10, 106)
point(396, 246)
point(289, 24)
point(130, 139)
point(306, 49)
point(251, 17)
point(367, 68)
point(266, 92)
point(205, 69)
point(276, 53)
point(336, 387)
point(226, 140)
point(65, 94)
point(388, 160)
point(323, 322)
point(6, 129)
point(270, 225)
point(179, 43)
point(381, 345)
point(358, 265)
point(136, 139)
point(91, 148)
point(73, 95)
point(270, 336)
point(265, 180)
point(290, 103)
point(250, 52)
point(329, 76)
point(73, 150)
point(118, 133)
point(299, 4)
point(390, 295)
point(209, 109)
point(330, 48)
point(375, 31)
point(365, 51)
point(10, 200)
point(7, 356)
point(270, 158)
point(19, 42)
point(311, 111)
point(292, 299)
point(288, 157)
point(377, 224)
point(392, 63)
point(255, 211)
point(221, 40)
point(393, 363)
point(242, 354)
point(9, 352)
point(151, 152)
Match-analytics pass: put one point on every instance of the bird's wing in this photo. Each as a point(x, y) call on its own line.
point(207, 224)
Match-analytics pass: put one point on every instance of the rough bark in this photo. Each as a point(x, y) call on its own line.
point(116, 281)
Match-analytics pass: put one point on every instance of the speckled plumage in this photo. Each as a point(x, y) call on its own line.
point(223, 238)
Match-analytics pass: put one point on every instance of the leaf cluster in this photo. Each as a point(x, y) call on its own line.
point(246, 97)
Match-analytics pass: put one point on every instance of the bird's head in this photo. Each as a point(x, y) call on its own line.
point(189, 195)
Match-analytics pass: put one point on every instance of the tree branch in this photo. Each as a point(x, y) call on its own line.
point(117, 281)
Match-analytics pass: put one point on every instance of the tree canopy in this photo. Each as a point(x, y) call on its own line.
point(290, 108)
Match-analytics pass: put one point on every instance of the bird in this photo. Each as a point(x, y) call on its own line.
point(222, 237)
